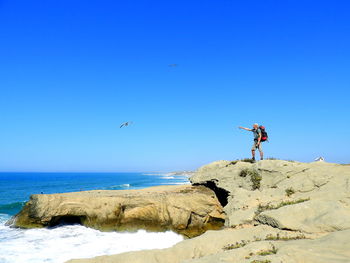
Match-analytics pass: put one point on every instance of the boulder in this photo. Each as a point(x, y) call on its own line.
point(311, 216)
point(189, 210)
point(277, 185)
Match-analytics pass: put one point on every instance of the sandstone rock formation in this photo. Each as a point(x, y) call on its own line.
point(310, 197)
point(332, 248)
point(189, 210)
point(254, 244)
point(277, 211)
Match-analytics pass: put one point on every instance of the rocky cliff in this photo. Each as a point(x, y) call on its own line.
point(189, 210)
point(309, 197)
point(276, 211)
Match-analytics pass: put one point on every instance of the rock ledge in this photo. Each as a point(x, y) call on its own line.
point(185, 209)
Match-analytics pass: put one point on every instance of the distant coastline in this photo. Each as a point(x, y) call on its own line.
point(181, 173)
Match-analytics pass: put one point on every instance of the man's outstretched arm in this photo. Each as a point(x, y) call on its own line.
point(247, 129)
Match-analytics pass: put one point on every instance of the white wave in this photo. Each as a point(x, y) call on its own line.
point(63, 243)
point(3, 218)
point(168, 177)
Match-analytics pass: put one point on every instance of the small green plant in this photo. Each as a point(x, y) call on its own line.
point(247, 160)
point(285, 238)
point(257, 238)
point(261, 261)
point(262, 208)
point(244, 172)
point(271, 251)
point(232, 163)
point(290, 191)
point(236, 245)
point(255, 177)
point(284, 203)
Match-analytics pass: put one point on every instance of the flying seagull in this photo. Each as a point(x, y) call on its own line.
point(173, 65)
point(125, 124)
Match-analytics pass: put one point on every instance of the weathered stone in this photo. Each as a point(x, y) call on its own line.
point(252, 244)
point(311, 216)
point(332, 248)
point(279, 211)
point(281, 182)
point(189, 210)
point(211, 242)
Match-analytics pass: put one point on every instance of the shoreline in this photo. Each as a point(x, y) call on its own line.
point(272, 215)
point(66, 237)
point(270, 205)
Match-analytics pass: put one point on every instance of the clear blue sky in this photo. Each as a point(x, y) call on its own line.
point(72, 71)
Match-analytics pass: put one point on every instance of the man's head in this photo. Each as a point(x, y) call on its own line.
point(255, 125)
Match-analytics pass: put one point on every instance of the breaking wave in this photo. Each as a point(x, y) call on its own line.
point(60, 244)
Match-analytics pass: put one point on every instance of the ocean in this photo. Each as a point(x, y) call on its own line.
point(62, 243)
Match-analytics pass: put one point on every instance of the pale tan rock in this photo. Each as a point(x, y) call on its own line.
point(311, 216)
point(208, 248)
point(332, 248)
point(186, 209)
point(317, 181)
point(311, 199)
point(211, 242)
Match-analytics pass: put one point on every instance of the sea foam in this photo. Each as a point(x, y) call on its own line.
point(168, 177)
point(66, 242)
point(60, 244)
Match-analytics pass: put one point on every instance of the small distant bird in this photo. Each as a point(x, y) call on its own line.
point(125, 124)
point(173, 65)
point(319, 159)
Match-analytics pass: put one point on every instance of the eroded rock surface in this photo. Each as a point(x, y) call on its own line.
point(210, 243)
point(189, 210)
point(277, 211)
point(310, 197)
point(332, 248)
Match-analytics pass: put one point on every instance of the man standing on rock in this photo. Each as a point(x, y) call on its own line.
point(257, 140)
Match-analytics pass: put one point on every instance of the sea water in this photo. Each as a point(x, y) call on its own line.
point(62, 243)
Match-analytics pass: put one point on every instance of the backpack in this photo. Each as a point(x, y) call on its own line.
point(264, 136)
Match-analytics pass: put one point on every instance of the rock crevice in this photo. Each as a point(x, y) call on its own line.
point(221, 193)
